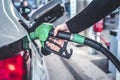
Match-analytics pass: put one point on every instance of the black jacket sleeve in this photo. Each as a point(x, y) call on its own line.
point(95, 11)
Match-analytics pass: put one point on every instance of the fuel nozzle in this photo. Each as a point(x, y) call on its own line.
point(44, 33)
point(41, 32)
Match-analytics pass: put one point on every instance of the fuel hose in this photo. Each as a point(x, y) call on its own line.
point(89, 42)
point(45, 30)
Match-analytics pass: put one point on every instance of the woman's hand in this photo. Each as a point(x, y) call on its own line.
point(61, 27)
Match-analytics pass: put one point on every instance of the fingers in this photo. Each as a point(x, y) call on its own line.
point(62, 27)
point(56, 30)
point(53, 46)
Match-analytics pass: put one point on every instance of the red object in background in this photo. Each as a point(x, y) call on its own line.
point(12, 68)
point(98, 27)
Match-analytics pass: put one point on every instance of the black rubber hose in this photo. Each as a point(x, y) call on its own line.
point(94, 44)
point(110, 56)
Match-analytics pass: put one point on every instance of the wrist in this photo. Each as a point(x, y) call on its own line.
point(66, 27)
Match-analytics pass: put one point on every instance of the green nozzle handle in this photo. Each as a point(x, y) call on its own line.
point(41, 32)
